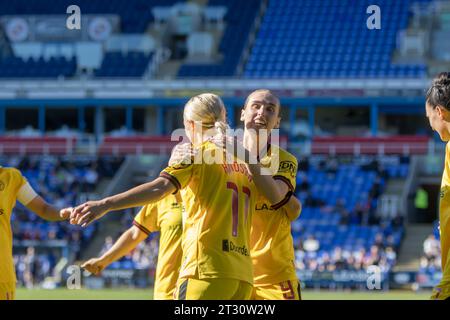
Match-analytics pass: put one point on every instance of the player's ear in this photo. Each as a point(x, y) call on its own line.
point(243, 114)
point(441, 112)
point(277, 124)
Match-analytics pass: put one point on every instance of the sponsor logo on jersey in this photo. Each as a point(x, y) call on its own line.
point(263, 206)
point(229, 246)
point(288, 166)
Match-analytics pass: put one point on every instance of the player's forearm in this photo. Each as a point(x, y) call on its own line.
point(127, 242)
point(265, 184)
point(293, 208)
point(52, 214)
point(47, 211)
point(139, 196)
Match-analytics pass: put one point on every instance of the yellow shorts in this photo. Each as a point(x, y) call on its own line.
point(286, 290)
point(440, 293)
point(7, 290)
point(212, 289)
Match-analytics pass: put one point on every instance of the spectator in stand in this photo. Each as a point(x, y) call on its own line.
point(431, 247)
point(311, 244)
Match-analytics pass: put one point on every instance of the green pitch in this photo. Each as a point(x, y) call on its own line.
point(147, 294)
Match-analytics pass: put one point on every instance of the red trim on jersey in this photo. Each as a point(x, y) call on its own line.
point(141, 227)
point(282, 202)
point(285, 180)
point(172, 179)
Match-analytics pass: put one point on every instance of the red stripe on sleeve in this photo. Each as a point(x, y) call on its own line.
point(141, 227)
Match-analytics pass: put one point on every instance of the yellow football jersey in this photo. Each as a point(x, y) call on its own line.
point(271, 242)
point(11, 180)
point(444, 220)
point(218, 199)
point(164, 216)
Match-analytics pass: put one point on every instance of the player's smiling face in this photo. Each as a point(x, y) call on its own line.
point(261, 111)
point(438, 118)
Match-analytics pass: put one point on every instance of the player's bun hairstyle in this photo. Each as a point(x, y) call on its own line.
point(439, 92)
point(207, 109)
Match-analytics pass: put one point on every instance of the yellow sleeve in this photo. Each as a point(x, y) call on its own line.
point(287, 170)
point(147, 219)
point(19, 179)
point(179, 175)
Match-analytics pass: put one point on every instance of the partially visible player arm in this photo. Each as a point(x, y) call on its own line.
point(30, 199)
point(293, 208)
point(139, 196)
point(274, 191)
point(127, 242)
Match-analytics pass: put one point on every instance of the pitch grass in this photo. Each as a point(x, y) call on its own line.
point(147, 294)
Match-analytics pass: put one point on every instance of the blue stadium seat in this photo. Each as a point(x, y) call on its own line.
point(310, 29)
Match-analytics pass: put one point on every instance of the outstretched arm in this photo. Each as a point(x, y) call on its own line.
point(139, 196)
point(127, 242)
point(46, 211)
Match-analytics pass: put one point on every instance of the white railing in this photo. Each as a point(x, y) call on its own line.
point(375, 148)
point(88, 145)
point(85, 88)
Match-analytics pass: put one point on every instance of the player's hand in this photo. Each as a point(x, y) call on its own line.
point(94, 266)
point(65, 213)
point(234, 147)
point(224, 141)
point(88, 212)
point(182, 154)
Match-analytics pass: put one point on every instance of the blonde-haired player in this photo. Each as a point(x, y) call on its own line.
point(163, 216)
point(218, 199)
point(438, 113)
point(13, 186)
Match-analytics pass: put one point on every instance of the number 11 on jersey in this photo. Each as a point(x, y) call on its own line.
point(235, 205)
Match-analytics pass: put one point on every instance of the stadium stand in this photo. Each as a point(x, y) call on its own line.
point(135, 14)
point(340, 218)
point(15, 67)
point(240, 19)
point(117, 64)
point(318, 39)
point(135, 17)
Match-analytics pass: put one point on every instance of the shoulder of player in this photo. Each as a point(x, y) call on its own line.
point(286, 156)
point(12, 171)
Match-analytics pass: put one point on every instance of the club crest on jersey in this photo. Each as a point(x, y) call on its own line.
point(2, 186)
point(288, 166)
point(2, 212)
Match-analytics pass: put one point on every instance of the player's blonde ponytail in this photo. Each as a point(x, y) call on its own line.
point(208, 110)
point(221, 127)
